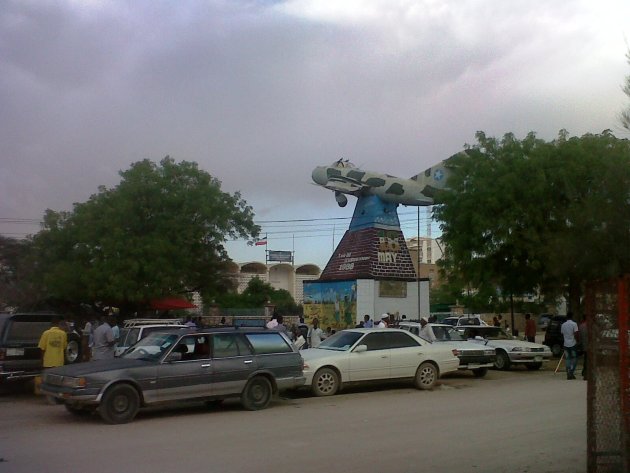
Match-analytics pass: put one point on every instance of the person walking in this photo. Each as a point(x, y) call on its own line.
point(53, 343)
point(571, 336)
point(530, 328)
point(315, 335)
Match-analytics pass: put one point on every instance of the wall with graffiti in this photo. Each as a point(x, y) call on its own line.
point(334, 303)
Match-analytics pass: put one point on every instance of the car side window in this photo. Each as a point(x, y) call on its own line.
point(243, 348)
point(224, 345)
point(375, 341)
point(267, 343)
point(401, 340)
point(194, 347)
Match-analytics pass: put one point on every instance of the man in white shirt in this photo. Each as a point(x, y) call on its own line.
point(426, 331)
point(315, 335)
point(104, 343)
point(384, 323)
point(571, 335)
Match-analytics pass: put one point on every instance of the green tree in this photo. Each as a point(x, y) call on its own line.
point(625, 115)
point(257, 294)
point(159, 232)
point(528, 214)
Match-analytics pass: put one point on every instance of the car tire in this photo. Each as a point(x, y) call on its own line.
point(480, 372)
point(257, 394)
point(556, 350)
point(533, 366)
point(503, 361)
point(325, 382)
point(73, 350)
point(78, 411)
point(120, 404)
point(426, 376)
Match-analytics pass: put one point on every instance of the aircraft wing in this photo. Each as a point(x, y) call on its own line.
point(344, 186)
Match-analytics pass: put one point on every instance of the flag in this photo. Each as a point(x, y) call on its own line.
point(261, 241)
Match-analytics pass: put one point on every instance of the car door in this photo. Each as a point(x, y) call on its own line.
point(232, 363)
point(373, 363)
point(188, 376)
point(405, 354)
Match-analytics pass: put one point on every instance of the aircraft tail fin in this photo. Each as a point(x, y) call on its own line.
point(434, 178)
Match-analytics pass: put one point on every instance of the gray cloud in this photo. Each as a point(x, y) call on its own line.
point(258, 93)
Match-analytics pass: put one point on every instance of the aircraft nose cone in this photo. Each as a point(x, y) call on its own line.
point(319, 175)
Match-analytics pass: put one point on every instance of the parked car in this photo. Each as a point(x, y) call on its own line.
point(553, 337)
point(20, 356)
point(464, 320)
point(359, 355)
point(203, 365)
point(509, 350)
point(471, 355)
point(136, 329)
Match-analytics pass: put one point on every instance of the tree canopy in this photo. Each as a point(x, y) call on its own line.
point(160, 231)
point(257, 294)
point(527, 214)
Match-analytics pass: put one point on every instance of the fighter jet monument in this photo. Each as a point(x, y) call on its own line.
point(371, 263)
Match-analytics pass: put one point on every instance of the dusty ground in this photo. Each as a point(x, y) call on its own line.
point(517, 421)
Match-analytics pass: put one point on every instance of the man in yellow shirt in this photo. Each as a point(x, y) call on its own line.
point(53, 343)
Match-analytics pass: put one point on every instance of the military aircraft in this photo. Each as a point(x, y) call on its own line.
point(342, 177)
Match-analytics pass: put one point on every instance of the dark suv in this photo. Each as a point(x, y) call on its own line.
point(20, 357)
point(191, 364)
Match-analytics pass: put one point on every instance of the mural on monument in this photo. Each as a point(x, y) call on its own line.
point(334, 303)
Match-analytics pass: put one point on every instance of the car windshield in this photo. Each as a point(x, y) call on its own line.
point(446, 334)
point(490, 333)
point(151, 348)
point(341, 341)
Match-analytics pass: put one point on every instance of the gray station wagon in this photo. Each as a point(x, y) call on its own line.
point(205, 365)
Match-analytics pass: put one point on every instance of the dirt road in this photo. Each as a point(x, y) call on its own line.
point(517, 421)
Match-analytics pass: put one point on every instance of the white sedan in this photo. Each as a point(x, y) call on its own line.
point(357, 355)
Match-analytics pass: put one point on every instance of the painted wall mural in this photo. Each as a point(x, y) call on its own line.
point(334, 303)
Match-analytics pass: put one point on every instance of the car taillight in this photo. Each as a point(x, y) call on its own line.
point(3, 353)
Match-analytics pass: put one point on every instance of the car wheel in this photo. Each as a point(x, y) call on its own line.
point(257, 394)
point(426, 376)
point(78, 411)
point(325, 382)
point(503, 361)
point(556, 350)
point(533, 366)
point(73, 350)
point(120, 404)
point(480, 372)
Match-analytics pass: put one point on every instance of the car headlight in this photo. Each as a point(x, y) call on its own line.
point(69, 382)
point(521, 349)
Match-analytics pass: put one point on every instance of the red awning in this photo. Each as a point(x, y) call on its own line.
point(171, 303)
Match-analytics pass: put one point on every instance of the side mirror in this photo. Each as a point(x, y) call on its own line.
point(360, 349)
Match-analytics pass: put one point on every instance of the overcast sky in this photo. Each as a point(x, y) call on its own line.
point(261, 92)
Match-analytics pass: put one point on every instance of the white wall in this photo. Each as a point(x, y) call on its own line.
point(368, 301)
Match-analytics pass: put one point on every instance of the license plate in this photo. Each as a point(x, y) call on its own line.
point(15, 351)
point(538, 358)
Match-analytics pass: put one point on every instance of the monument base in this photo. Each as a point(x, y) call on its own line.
point(343, 304)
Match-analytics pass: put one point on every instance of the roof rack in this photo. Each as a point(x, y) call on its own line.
point(134, 322)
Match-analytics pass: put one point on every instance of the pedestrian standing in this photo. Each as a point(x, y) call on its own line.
point(315, 334)
point(367, 322)
point(104, 343)
point(303, 329)
point(426, 332)
point(530, 328)
point(571, 336)
point(384, 323)
point(53, 343)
